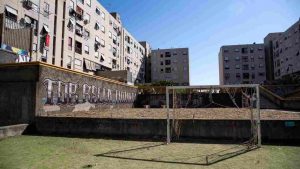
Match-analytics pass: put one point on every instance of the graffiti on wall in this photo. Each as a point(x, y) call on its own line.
point(60, 92)
point(23, 55)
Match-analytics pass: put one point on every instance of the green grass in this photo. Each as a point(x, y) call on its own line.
point(59, 152)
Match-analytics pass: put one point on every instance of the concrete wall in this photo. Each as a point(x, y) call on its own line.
point(149, 128)
point(31, 89)
point(14, 130)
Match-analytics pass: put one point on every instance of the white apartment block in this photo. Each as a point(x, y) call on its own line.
point(77, 34)
point(283, 49)
point(170, 65)
point(242, 64)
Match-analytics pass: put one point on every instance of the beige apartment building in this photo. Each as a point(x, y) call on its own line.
point(170, 65)
point(283, 51)
point(242, 64)
point(77, 34)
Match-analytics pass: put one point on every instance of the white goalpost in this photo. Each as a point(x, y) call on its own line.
point(235, 98)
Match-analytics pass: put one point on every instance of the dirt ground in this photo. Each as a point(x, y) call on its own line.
point(201, 113)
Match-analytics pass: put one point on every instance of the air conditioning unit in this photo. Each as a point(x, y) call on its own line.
point(28, 4)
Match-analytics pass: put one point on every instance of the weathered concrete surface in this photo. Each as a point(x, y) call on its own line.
point(13, 130)
point(151, 128)
point(7, 56)
point(31, 89)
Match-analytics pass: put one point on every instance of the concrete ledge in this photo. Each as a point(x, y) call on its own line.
point(13, 130)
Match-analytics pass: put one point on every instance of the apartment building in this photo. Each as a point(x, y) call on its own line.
point(170, 65)
point(77, 34)
point(283, 51)
point(134, 57)
point(148, 49)
point(242, 64)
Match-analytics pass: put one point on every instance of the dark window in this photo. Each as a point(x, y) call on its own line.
point(168, 54)
point(161, 63)
point(245, 58)
point(245, 67)
point(161, 70)
point(238, 75)
point(245, 75)
point(251, 50)
point(167, 62)
point(253, 76)
point(54, 45)
point(11, 13)
point(161, 55)
point(78, 47)
point(244, 50)
point(53, 61)
point(168, 70)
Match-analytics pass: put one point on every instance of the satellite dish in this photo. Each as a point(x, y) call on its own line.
point(27, 20)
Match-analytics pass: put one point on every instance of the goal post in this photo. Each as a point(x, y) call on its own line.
point(241, 97)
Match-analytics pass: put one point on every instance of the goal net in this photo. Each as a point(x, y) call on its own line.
point(221, 108)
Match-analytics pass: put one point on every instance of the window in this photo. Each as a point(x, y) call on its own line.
point(98, 11)
point(168, 62)
point(237, 66)
point(168, 70)
point(245, 58)
point(246, 76)
point(226, 58)
point(161, 55)
point(244, 50)
point(226, 66)
point(70, 43)
point(253, 76)
point(260, 57)
point(260, 49)
point(227, 75)
point(71, 5)
point(102, 43)
point(114, 39)
point(102, 15)
point(97, 26)
point(87, 18)
point(225, 50)
point(236, 50)
point(46, 9)
point(102, 28)
point(251, 50)
point(86, 49)
point(88, 2)
point(161, 70)
point(81, 1)
point(86, 34)
point(245, 67)
point(161, 63)
point(109, 34)
point(78, 62)
point(11, 13)
point(263, 74)
point(78, 47)
point(96, 54)
point(261, 65)
point(237, 58)
point(238, 75)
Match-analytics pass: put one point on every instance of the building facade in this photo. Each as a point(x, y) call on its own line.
point(242, 64)
point(170, 65)
point(283, 49)
point(77, 34)
point(148, 49)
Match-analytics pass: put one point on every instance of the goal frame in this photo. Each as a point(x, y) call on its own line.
point(253, 86)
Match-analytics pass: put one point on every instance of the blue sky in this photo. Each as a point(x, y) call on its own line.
point(204, 26)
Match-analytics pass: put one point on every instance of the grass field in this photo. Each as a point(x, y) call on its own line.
point(59, 152)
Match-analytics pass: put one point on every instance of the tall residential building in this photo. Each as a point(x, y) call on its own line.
point(170, 65)
point(77, 34)
point(283, 51)
point(148, 49)
point(242, 64)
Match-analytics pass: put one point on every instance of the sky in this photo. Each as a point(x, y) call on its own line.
point(204, 26)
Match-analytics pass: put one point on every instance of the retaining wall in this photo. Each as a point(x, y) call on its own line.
point(152, 128)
